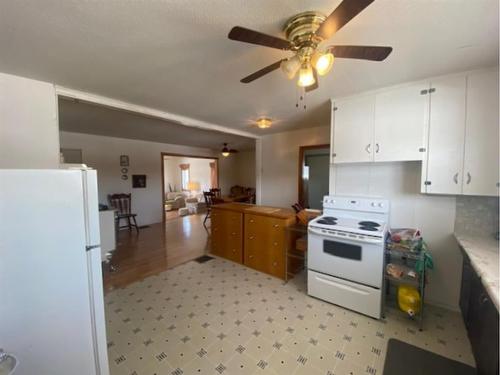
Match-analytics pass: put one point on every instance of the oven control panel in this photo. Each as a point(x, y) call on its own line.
point(358, 204)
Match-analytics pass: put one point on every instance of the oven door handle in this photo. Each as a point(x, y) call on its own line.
point(346, 238)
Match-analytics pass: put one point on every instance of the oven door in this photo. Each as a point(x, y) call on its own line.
point(347, 258)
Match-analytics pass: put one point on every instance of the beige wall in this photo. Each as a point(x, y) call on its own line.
point(239, 169)
point(280, 160)
point(199, 171)
point(29, 131)
point(103, 153)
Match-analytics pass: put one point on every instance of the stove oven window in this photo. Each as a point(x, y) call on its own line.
point(342, 250)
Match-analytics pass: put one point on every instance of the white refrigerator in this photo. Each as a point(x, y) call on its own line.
point(51, 295)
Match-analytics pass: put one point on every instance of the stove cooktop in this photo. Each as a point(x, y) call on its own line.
point(346, 224)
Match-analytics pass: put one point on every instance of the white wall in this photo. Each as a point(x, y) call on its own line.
point(199, 171)
point(280, 163)
point(239, 169)
point(29, 128)
point(433, 215)
point(103, 153)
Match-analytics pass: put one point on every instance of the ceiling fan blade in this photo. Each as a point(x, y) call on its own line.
point(254, 37)
point(315, 85)
point(260, 73)
point(346, 11)
point(374, 53)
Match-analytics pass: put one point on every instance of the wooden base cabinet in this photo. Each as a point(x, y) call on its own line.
point(227, 234)
point(265, 244)
point(481, 320)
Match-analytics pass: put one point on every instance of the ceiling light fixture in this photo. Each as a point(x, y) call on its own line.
point(291, 66)
point(322, 62)
point(264, 122)
point(225, 151)
point(306, 76)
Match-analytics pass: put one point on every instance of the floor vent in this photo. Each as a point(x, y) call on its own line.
point(203, 259)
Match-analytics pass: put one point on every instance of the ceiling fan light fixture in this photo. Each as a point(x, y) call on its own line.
point(264, 122)
point(225, 151)
point(290, 66)
point(306, 76)
point(322, 62)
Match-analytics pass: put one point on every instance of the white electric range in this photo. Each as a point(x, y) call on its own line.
point(346, 253)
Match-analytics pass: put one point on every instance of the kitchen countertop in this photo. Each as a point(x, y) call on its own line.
point(483, 254)
point(245, 208)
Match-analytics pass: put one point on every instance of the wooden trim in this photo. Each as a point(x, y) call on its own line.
point(302, 149)
point(162, 155)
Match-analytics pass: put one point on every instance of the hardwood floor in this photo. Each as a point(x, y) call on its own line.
point(155, 249)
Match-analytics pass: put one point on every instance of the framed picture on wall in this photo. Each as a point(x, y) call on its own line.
point(123, 160)
point(138, 180)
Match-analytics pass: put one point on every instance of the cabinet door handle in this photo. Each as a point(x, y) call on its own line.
point(233, 234)
point(250, 256)
point(377, 148)
point(455, 178)
point(275, 264)
point(251, 220)
point(276, 225)
point(251, 237)
point(234, 250)
point(469, 178)
point(275, 244)
point(368, 148)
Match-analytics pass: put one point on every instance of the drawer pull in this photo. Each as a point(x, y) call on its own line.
point(233, 234)
point(251, 220)
point(275, 244)
point(275, 264)
point(250, 256)
point(251, 237)
point(234, 250)
point(276, 226)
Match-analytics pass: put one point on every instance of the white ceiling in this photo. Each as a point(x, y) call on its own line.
point(87, 118)
point(175, 56)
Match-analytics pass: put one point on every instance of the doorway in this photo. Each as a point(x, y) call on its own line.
point(314, 169)
point(184, 179)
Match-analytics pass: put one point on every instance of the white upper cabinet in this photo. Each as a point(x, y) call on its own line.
point(442, 172)
point(352, 124)
point(481, 134)
point(401, 115)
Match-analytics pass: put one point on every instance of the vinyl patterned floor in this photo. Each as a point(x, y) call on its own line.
point(223, 318)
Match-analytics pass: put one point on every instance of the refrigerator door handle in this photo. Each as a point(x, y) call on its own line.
point(91, 247)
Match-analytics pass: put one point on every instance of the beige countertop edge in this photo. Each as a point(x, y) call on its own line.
point(484, 257)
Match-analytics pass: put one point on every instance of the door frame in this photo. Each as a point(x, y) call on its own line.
point(302, 150)
point(162, 155)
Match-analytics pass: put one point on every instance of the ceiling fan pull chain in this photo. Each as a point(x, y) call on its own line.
point(305, 105)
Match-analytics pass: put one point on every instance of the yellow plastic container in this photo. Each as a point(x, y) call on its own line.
point(409, 300)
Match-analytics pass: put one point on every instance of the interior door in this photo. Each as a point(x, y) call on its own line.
point(401, 116)
point(481, 134)
point(353, 121)
point(445, 151)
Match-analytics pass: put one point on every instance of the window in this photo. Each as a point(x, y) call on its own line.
point(184, 178)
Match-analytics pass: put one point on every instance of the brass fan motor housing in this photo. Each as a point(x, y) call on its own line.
point(300, 29)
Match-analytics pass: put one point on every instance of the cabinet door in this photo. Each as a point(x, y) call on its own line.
point(481, 134)
point(233, 249)
point(353, 120)
point(401, 117)
point(442, 172)
point(217, 230)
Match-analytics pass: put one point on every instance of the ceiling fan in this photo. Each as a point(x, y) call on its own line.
point(304, 33)
point(226, 151)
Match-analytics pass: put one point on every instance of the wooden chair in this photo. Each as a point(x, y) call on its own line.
point(122, 203)
point(210, 200)
point(217, 192)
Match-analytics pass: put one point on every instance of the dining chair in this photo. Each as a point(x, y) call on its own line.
point(122, 203)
